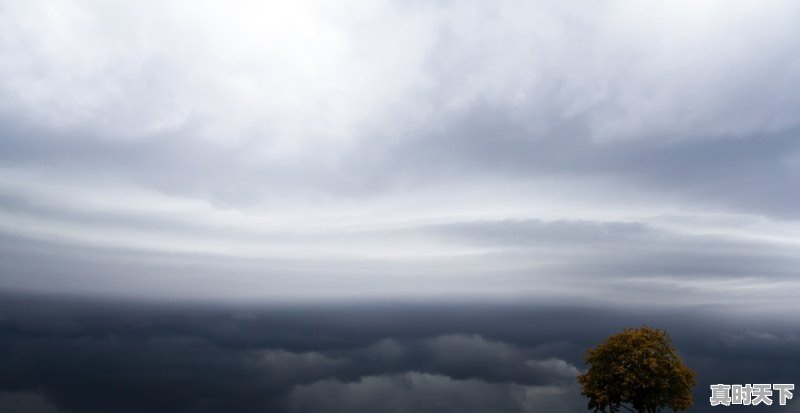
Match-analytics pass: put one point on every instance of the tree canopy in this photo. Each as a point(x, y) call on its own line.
point(637, 370)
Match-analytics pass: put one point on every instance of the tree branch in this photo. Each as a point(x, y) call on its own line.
point(627, 408)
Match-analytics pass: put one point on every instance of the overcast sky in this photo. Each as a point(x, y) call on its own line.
point(62, 355)
point(617, 151)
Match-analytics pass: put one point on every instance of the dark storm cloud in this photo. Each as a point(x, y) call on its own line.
point(115, 358)
point(465, 357)
point(419, 392)
point(79, 355)
point(28, 402)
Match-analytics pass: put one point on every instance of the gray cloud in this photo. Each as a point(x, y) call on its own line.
point(89, 354)
point(557, 260)
point(26, 402)
point(413, 150)
point(431, 206)
point(466, 357)
point(421, 392)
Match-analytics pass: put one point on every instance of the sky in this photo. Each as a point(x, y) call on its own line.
point(384, 205)
point(611, 152)
point(78, 355)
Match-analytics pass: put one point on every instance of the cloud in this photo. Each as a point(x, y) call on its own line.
point(124, 359)
point(593, 158)
point(309, 151)
point(421, 392)
point(86, 354)
point(465, 357)
point(664, 262)
point(26, 402)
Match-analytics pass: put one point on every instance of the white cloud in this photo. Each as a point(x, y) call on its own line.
point(358, 146)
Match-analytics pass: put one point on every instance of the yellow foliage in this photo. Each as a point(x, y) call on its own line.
point(638, 370)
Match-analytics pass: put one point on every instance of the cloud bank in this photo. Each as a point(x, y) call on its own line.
point(84, 355)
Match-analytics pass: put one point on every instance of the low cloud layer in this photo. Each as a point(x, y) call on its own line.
point(419, 392)
point(84, 355)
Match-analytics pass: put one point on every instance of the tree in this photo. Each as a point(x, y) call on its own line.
point(637, 370)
